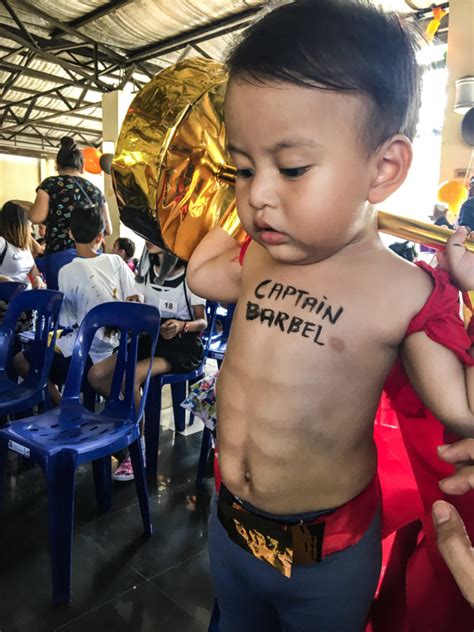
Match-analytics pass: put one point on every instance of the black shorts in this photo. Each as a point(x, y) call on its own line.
point(184, 353)
point(59, 367)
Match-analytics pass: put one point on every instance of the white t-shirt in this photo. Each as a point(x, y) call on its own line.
point(170, 298)
point(87, 283)
point(16, 263)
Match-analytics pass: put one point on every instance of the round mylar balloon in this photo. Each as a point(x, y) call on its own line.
point(91, 160)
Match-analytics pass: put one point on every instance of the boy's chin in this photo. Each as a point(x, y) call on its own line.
point(294, 255)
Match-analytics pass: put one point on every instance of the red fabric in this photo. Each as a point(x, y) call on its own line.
point(244, 248)
point(421, 585)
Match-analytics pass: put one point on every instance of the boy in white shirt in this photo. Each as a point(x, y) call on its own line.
point(89, 280)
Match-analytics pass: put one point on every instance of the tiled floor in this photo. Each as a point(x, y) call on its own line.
point(120, 580)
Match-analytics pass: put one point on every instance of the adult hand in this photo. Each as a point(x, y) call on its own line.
point(460, 454)
point(455, 547)
point(458, 261)
point(171, 328)
point(453, 541)
point(38, 283)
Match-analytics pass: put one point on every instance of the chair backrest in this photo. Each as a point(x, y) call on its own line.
point(10, 289)
point(46, 305)
point(130, 320)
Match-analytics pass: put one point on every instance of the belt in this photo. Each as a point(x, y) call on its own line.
point(284, 545)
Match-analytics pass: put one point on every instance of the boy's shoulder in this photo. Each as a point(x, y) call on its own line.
point(407, 279)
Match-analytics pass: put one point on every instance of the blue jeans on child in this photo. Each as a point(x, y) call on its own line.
point(333, 595)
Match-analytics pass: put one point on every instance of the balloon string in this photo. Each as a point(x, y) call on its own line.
point(468, 170)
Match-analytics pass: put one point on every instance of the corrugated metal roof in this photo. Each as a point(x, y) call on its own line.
point(58, 57)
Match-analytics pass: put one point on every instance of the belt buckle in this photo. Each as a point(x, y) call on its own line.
point(307, 540)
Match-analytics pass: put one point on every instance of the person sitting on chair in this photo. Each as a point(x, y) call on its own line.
point(88, 280)
point(179, 348)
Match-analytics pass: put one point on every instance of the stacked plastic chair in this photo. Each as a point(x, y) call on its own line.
point(179, 386)
point(62, 439)
point(18, 397)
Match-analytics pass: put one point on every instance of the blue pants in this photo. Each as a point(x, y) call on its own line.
point(332, 596)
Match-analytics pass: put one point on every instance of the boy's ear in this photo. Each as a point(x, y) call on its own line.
point(391, 164)
point(71, 236)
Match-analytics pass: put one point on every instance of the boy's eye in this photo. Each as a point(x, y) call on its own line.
point(245, 174)
point(294, 172)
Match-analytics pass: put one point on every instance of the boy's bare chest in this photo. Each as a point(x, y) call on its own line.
point(311, 311)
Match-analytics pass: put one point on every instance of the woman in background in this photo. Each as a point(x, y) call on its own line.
point(16, 260)
point(56, 197)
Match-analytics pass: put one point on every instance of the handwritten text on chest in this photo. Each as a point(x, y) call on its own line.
point(295, 298)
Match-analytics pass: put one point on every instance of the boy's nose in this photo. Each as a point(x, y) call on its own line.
point(262, 192)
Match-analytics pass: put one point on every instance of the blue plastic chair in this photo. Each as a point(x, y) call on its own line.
point(15, 397)
point(179, 386)
point(62, 439)
point(218, 345)
point(10, 289)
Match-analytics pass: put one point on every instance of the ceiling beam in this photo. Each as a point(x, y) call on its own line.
point(16, 36)
point(49, 117)
point(94, 15)
point(194, 36)
point(62, 26)
point(74, 112)
point(96, 133)
point(38, 74)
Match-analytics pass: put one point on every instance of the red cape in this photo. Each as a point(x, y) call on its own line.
point(417, 592)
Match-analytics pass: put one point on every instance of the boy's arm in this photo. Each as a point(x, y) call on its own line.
point(214, 271)
point(442, 382)
point(437, 374)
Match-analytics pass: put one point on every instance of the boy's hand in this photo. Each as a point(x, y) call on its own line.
point(134, 298)
point(171, 328)
point(458, 261)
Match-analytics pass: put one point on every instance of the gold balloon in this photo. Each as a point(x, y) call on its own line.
point(170, 152)
point(171, 174)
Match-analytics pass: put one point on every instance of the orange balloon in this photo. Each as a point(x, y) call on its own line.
point(92, 160)
point(454, 193)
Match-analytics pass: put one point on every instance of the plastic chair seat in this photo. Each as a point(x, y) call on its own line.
point(20, 397)
point(15, 397)
point(60, 440)
point(83, 434)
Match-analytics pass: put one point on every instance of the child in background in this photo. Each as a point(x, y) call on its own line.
point(87, 281)
point(179, 347)
point(16, 260)
point(125, 248)
point(320, 110)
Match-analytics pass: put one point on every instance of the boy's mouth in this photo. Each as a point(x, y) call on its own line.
point(268, 234)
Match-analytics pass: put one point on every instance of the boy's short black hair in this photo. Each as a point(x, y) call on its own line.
point(340, 45)
point(86, 223)
point(127, 245)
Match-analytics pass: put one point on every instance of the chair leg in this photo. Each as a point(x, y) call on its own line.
point(102, 469)
point(215, 616)
point(178, 395)
point(203, 456)
point(60, 476)
point(152, 425)
point(3, 462)
point(140, 483)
